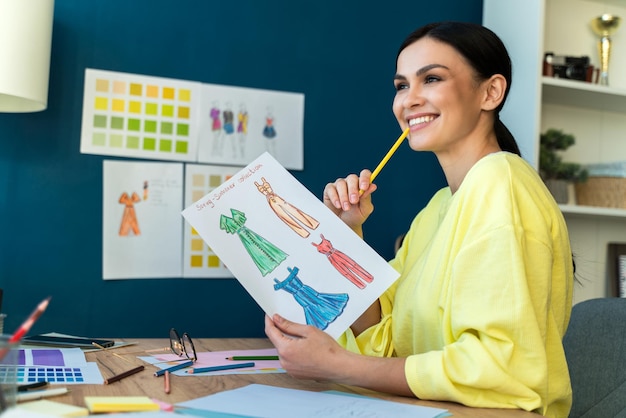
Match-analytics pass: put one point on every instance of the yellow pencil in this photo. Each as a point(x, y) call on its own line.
point(387, 156)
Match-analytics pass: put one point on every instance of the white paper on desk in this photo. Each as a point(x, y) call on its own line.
point(266, 226)
point(269, 401)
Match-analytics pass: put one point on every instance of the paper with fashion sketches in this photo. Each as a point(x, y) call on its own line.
point(290, 252)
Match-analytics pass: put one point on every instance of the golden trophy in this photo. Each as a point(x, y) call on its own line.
point(604, 26)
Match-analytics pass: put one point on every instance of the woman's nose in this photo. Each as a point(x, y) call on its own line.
point(413, 97)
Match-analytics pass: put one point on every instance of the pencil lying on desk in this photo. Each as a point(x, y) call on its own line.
point(173, 368)
point(167, 382)
point(387, 156)
point(123, 375)
point(218, 368)
point(235, 358)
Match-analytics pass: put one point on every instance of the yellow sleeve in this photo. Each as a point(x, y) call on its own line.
point(504, 337)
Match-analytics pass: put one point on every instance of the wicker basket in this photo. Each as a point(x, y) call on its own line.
point(607, 192)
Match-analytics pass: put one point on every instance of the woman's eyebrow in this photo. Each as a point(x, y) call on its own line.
point(421, 71)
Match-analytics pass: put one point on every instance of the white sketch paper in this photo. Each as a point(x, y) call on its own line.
point(238, 124)
point(142, 229)
point(291, 253)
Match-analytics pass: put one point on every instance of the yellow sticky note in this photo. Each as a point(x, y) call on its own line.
point(120, 403)
point(53, 408)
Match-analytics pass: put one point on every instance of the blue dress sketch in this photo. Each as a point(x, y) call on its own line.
point(265, 255)
point(320, 309)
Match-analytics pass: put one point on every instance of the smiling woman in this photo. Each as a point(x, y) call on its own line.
point(485, 289)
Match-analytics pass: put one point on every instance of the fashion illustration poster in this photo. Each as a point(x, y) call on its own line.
point(291, 253)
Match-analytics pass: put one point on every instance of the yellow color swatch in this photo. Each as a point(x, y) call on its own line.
point(168, 93)
point(184, 95)
point(102, 103)
point(183, 112)
point(197, 244)
point(118, 105)
point(195, 261)
point(134, 107)
point(136, 89)
point(152, 91)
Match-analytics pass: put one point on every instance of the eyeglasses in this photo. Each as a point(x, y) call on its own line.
point(182, 346)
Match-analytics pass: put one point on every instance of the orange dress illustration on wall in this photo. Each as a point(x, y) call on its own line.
point(129, 217)
point(286, 212)
point(345, 265)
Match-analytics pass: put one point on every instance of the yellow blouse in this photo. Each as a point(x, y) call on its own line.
point(484, 296)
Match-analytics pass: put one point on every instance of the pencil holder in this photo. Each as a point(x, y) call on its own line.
point(8, 373)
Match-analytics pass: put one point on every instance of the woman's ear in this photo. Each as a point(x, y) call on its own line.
point(495, 87)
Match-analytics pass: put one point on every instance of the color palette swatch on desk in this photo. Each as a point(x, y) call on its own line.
point(199, 259)
point(139, 116)
point(67, 366)
point(31, 374)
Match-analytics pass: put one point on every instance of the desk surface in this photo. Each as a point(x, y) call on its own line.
point(191, 387)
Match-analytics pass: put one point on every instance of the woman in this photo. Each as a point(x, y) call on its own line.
point(486, 274)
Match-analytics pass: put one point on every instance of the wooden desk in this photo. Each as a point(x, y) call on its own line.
point(191, 387)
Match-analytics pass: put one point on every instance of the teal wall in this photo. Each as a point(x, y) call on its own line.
point(340, 54)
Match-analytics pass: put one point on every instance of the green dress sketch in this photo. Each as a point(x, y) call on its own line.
point(265, 255)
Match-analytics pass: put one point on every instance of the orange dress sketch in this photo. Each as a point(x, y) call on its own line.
point(286, 212)
point(129, 218)
point(345, 265)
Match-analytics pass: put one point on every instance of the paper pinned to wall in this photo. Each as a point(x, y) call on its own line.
point(142, 229)
point(289, 251)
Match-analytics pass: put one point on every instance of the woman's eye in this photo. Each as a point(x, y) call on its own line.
point(401, 86)
point(430, 78)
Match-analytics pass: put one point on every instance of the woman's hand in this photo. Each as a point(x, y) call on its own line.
point(306, 352)
point(345, 199)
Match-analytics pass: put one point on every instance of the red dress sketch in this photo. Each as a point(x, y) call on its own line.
point(129, 218)
point(286, 212)
point(348, 268)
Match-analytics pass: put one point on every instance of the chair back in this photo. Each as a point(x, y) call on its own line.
point(595, 348)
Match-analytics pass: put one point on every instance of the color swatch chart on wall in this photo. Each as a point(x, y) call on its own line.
point(199, 260)
point(139, 116)
point(66, 366)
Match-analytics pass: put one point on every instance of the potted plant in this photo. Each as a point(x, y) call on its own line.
point(556, 173)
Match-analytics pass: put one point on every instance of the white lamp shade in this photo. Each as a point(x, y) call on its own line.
point(25, 41)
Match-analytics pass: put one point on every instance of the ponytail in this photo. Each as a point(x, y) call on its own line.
point(505, 138)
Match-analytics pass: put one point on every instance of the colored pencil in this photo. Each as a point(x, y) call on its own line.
point(235, 358)
point(387, 156)
point(173, 368)
point(25, 327)
point(218, 368)
point(123, 375)
point(167, 382)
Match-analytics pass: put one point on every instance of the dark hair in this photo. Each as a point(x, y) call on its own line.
point(484, 51)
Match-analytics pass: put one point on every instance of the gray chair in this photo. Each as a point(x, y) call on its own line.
point(595, 348)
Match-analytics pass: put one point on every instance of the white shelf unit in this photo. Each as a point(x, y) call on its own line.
point(594, 114)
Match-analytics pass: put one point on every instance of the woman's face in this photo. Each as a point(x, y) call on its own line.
point(437, 96)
